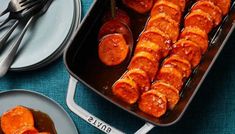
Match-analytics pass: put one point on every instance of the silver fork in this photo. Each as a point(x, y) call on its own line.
point(7, 60)
point(26, 4)
point(17, 6)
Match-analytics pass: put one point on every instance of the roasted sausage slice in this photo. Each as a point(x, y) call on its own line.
point(211, 9)
point(140, 77)
point(171, 93)
point(16, 118)
point(199, 18)
point(167, 7)
point(120, 15)
point(159, 38)
point(150, 47)
point(188, 50)
point(146, 62)
point(180, 64)
point(164, 23)
point(113, 49)
point(115, 26)
point(153, 103)
point(170, 75)
point(126, 89)
point(224, 5)
point(196, 35)
point(140, 6)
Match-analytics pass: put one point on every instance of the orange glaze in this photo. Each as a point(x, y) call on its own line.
point(168, 8)
point(179, 63)
point(171, 93)
point(170, 75)
point(164, 23)
point(146, 62)
point(159, 38)
point(200, 19)
point(140, 6)
point(149, 47)
point(113, 49)
point(211, 9)
point(126, 89)
point(196, 35)
point(153, 103)
point(224, 5)
point(188, 50)
point(141, 79)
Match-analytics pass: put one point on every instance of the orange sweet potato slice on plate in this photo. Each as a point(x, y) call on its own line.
point(26, 130)
point(16, 118)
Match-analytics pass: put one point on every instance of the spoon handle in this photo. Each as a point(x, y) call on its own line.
point(113, 8)
point(8, 34)
point(7, 60)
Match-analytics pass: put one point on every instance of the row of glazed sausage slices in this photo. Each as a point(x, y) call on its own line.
point(157, 89)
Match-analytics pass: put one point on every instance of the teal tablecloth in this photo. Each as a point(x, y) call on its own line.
point(211, 112)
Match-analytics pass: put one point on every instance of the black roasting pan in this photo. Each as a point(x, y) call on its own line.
point(83, 64)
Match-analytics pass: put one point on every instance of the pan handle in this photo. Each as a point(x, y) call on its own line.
point(91, 119)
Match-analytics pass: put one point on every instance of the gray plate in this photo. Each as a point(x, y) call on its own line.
point(63, 123)
point(47, 37)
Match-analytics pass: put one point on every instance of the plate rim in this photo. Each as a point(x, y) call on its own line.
point(45, 97)
point(77, 16)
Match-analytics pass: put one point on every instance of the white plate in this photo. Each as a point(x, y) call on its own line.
point(63, 123)
point(47, 37)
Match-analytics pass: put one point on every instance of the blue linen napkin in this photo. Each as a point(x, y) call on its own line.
point(211, 112)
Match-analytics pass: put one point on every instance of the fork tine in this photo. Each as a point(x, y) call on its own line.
point(3, 13)
point(31, 9)
point(4, 22)
point(30, 4)
point(21, 1)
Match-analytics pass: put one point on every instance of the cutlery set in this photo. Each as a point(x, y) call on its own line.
point(19, 10)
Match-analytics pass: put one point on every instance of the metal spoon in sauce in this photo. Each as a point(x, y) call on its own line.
point(130, 41)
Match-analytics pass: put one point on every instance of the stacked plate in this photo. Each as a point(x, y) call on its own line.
point(46, 38)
